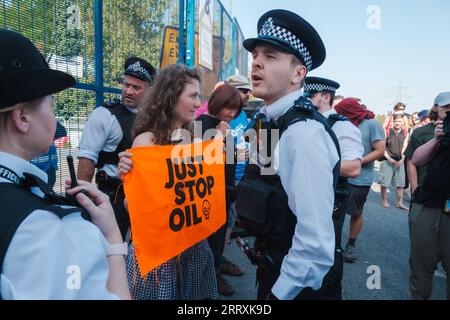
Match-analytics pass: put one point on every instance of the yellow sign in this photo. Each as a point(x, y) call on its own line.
point(169, 51)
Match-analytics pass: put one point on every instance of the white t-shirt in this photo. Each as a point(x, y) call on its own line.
point(102, 132)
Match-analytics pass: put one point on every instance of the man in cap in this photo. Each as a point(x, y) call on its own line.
point(45, 242)
point(321, 92)
point(423, 117)
point(108, 132)
point(298, 249)
point(243, 85)
point(429, 217)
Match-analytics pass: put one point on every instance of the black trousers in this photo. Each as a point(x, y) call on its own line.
point(267, 276)
point(332, 283)
point(331, 287)
point(217, 243)
point(217, 240)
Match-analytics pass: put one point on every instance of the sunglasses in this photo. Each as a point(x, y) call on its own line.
point(245, 91)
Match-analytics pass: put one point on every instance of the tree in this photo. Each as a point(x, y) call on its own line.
point(66, 28)
point(136, 30)
point(380, 118)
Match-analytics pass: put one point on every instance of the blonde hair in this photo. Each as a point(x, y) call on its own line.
point(4, 112)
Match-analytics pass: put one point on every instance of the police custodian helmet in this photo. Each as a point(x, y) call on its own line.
point(24, 73)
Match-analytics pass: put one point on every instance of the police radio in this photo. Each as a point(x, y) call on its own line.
point(73, 176)
point(74, 184)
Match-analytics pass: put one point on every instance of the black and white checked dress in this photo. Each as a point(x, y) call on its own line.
point(189, 276)
point(197, 274)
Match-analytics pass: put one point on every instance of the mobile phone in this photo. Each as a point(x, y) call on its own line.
point(73, 176)
point(244, 246)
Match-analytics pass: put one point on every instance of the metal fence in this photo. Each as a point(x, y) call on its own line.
point(91, 39)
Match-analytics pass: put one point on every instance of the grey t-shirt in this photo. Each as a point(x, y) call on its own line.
point(371, 131)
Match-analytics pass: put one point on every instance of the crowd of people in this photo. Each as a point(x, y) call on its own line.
point(323, 163)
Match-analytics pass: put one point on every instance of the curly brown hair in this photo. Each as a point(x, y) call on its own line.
point(157, 112)
point(400, 106)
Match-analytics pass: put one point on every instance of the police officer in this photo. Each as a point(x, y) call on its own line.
point(429, 217)
point(48, 250)
point(108, 132)
point(321, 92)
point(298, 243)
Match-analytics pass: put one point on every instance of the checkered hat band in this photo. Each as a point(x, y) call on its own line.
point(269, 29)
point(319, 87)
point(137, 68)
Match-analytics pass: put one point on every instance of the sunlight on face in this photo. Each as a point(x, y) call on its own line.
point(188, 102)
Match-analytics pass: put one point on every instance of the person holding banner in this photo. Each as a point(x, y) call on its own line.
point(224, 105)
point(166, 114)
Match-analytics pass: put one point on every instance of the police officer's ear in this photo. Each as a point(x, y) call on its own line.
point(21, 114)
point(299, 71)
point(20, 117)
point(327, 97)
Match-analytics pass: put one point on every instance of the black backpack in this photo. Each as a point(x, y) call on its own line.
point(262, 204)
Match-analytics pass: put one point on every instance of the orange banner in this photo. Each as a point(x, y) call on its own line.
point(173, 201)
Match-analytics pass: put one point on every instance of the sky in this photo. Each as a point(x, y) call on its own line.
point(407, 47)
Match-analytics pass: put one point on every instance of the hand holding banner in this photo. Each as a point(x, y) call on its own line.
point(174, 202)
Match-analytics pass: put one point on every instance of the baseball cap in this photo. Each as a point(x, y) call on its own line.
point(239, 82)
point(423, 114)
point(442, 99)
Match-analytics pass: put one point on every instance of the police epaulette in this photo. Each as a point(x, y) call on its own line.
point(333, 118)
point(338, 117)
point(111, 103)
point(305, 104)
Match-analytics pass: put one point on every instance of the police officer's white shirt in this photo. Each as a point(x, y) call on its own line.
point(304, 159)
point(349, 137)
point(102, 132)
point(53, 258)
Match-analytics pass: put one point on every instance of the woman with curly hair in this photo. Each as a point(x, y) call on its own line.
point(167, 110)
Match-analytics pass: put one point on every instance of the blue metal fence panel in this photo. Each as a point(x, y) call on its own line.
point(240, 54)
point(181, 49)
point(190, 33)
point(98, 18)
point(91, 39)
